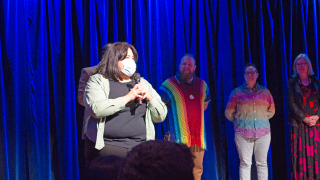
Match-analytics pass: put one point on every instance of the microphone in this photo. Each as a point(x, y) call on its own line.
point(136, 78)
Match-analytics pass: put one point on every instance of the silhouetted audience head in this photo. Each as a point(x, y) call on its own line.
point(158, 160)
point(103, 50)
point(104, 168)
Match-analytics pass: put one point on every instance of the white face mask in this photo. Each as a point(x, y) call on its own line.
point(129, 67)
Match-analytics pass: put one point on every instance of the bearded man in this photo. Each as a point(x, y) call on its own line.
point(187, 97)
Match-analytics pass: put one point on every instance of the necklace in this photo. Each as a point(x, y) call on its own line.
point(300, 82)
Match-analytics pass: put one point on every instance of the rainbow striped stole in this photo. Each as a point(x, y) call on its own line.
point(178, 121)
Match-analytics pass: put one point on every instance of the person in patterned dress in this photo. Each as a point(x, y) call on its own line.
point(303, 102)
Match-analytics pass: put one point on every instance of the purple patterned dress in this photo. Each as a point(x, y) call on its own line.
point(305, 140)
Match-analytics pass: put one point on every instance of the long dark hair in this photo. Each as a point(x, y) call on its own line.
point(108, 67)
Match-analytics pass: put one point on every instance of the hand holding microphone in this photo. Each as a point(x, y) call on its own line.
point(137, 78)
point(138, 92)
point(143, 92)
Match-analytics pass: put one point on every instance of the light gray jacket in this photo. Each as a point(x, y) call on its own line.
point(99, 107)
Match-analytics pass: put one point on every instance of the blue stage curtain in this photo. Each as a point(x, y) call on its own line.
point(44, 44)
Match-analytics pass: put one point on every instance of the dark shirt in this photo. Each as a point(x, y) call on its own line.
point(126, 128)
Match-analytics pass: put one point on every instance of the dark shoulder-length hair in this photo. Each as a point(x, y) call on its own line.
point(108, 67)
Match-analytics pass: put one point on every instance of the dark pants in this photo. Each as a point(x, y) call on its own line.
point(90, 152)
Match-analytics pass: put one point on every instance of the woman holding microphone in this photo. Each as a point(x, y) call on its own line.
point(117, 122)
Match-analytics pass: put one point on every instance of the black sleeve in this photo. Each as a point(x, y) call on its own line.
point(294, 109)
point(318, 83)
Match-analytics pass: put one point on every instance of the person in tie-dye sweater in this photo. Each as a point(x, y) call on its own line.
point(250, 107)
point(187, 97)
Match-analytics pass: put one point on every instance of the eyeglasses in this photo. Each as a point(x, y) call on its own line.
point(249, 73)
point(301, 64)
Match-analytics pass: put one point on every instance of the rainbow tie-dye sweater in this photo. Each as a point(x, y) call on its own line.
point(250, 111)
point(186, 116)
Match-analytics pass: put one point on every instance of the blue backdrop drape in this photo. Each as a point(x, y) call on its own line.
point(44, 44)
